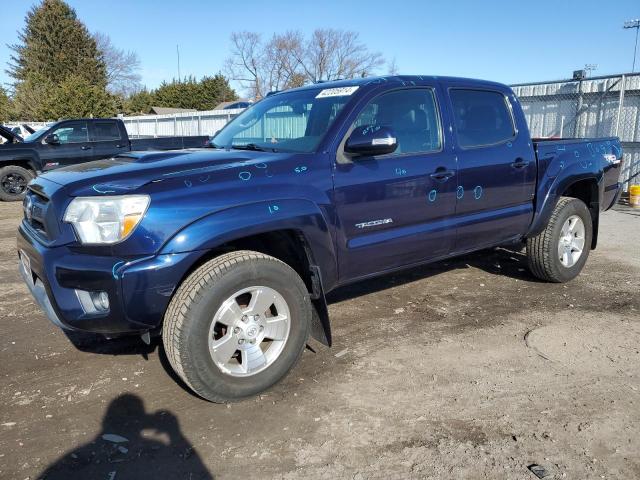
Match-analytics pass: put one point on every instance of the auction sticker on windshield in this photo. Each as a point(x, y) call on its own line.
point(337, 92)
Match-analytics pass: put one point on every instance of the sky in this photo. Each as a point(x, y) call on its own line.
point(505, 41)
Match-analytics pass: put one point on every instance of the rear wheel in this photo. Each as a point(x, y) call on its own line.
point(237, 325)
point(560, 251)
point(13, 183)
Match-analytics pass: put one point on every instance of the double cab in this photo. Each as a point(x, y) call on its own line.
point(228, 252)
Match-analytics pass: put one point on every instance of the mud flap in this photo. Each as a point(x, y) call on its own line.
point(320, 328)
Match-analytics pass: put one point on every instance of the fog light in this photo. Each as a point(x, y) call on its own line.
point(93, 302)
point(100, 301)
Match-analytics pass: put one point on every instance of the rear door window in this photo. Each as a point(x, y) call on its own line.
point(105, 131)
point(482, 117)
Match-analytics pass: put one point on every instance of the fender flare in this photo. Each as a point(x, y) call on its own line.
point(235, 223)
point(29, 158)
point(554, 188)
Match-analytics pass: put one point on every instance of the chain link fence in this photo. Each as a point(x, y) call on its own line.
point(592, 107)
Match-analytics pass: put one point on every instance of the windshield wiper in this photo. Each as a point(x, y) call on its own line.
point(249, 146)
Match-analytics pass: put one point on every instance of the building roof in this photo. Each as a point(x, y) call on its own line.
point(222, 105)
point(167, 110)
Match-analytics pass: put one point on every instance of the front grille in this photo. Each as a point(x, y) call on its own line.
point(35, 211)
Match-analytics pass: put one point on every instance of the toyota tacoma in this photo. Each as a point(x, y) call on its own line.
point(228, 252)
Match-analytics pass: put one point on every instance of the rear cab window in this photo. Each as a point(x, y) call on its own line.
point(482, 117)
point(104, 131)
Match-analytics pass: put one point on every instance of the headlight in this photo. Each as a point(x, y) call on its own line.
point(106, 219)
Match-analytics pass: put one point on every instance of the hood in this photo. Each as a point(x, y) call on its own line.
point(9, 135)
point(127, 173)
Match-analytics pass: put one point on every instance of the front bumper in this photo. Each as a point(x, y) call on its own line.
point(139, 289)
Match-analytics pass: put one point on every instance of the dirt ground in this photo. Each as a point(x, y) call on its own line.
point(468, 368)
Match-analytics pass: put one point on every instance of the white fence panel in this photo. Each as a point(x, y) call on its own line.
point(179, 124)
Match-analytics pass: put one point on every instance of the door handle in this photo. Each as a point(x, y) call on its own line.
point(120, 146)
point(442, 175)
point(519, 163)
point(85, 147)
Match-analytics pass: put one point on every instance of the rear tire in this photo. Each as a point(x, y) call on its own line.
point(13, 183)
point(569, 227)
point(210, 308)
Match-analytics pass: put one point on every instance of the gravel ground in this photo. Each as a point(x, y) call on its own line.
point(468, 368)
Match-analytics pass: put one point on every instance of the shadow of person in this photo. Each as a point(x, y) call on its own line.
point(132, 444)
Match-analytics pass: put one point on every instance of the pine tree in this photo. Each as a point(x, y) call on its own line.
point(55, 51)
point(177, 94)
point(214, 90)
point(190, 93)
point(138, 103)
point(55, 44)
point(5, 106)
point(75, 97)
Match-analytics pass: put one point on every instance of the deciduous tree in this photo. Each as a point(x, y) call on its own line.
point(289, 60)
point(122, 66)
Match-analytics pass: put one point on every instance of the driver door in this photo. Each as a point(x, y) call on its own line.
point(396, 209)
point(73, 145)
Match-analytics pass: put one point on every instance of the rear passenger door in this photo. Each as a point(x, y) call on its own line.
point(106, 139)
point(496, 168)
point(394, 210)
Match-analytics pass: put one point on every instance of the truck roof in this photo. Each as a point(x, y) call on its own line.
point(396, 79)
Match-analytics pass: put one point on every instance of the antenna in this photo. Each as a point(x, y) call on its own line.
point(178, 52)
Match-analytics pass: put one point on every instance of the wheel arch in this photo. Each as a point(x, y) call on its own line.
point(588, 191)
point(301, 241)
point(584, 188)
point(24, 162)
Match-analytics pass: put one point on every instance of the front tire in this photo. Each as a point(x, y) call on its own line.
point(560, 251)
point(237, 325)
point(13, 183)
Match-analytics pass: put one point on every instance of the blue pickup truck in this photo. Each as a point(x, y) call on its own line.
point(228, 252)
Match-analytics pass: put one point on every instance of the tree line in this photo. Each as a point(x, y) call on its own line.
point(61, 70)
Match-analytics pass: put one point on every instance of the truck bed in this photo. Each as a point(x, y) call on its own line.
point(581, 156)
point(168, 143)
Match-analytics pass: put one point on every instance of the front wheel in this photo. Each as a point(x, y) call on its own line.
point(13, 183)
point(237, 325)
point(560, 251)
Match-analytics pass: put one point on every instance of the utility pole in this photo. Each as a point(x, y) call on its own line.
point(633, 24)
point(178, 52)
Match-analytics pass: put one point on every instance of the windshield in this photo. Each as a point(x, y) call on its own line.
point(291, 122)
point(35, 136)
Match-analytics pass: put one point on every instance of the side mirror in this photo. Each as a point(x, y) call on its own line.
point(371, 140)
point(52, 139)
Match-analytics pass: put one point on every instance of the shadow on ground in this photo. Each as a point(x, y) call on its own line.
point(133, 444)
point(508, 261)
